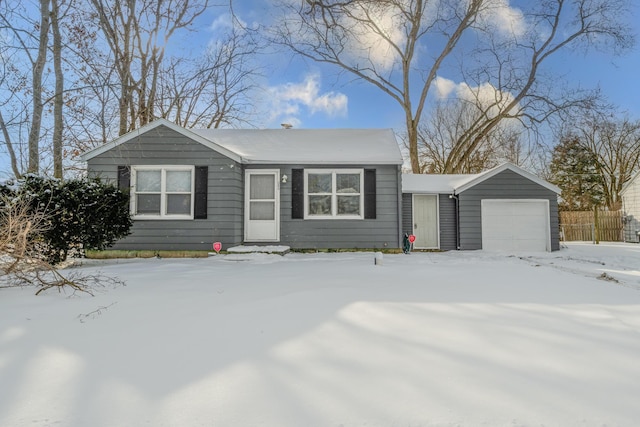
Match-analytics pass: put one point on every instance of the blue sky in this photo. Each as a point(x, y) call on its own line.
point(309, 95)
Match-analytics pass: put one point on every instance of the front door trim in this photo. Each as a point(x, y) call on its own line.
point(261, 231)
point(415, 225)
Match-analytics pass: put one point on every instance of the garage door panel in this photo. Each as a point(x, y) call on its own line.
point(515, 225)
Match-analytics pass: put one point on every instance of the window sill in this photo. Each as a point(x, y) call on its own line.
point(162, 218)
point(333, 218)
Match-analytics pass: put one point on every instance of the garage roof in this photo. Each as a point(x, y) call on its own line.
point(456, 183)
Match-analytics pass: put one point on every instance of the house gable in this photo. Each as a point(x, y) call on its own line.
point(159, 129)
point(218, 194)
point(505, 184)
point(480, 178)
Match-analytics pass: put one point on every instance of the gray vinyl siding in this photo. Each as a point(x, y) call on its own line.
point(407, 213)
point(446, 217)
point(381, 232)
point(448, 223)
point(631, 229)
point(631, 209)
point(162, 146)
point(505, 185)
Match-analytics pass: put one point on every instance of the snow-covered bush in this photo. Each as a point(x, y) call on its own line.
point(78, 214)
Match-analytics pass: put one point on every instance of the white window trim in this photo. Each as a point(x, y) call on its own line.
point(334, 195)
point(163, 169)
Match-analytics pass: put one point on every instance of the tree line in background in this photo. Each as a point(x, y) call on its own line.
point(82, 72)
point(78, 73)
point(597, 154)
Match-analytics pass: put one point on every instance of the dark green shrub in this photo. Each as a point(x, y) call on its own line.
point(80, 214)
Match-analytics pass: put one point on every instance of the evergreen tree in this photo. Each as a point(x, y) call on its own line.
point(574, 170)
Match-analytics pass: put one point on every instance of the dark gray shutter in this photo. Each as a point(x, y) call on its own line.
point(369, 194)
point(297, 193)
point(124, 178)
point(200, 192)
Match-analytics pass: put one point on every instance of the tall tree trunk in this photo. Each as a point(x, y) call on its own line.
point(38, 68)
point(58, 101)
point(9, 144)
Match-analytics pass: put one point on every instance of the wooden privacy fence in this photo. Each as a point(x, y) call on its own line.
point(580, 225)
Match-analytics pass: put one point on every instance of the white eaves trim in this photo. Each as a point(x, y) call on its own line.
point(510, 166)
point(150, 126)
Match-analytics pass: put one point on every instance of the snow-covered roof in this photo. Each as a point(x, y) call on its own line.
point(284, 146)
point(430, 183)
point(309, 146)
point(455, 184)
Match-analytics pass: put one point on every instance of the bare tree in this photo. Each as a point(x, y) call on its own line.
point(7, 71)
point(26, 39)
point(348, 34)
point(137, 32)
point(614, 143)
point(58, 101)
point(32, 34)
point(383, 42)
point(38, 65)
point(211, 90)
point(440, 132)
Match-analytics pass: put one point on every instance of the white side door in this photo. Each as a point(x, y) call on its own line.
point(425, 221)
point(262, 205)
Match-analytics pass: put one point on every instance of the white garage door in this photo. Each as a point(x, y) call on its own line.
point(515, 225)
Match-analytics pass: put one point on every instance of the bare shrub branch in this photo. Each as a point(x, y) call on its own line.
point(22, 260)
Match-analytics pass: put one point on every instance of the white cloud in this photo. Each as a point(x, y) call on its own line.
point(485, 95)
point(499, 15)
point(288, 100)
point(371, 46)
point(223, 22)
point(443, 87)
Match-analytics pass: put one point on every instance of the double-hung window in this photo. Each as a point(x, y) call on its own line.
point(333, 193)
point(162, 192)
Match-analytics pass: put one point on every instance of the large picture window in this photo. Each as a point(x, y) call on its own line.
point(162, 192)
point(333, 193)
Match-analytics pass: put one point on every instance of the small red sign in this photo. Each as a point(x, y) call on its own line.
point(412, 238)
point(217, 246)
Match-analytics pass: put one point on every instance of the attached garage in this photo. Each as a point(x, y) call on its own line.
point(515, 225)
point(505, 208)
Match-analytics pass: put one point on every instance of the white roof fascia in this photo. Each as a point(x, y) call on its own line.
point(150, 126)
point(510, 166)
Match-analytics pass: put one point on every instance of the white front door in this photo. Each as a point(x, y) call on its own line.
point(425, 221)
point(262, 205)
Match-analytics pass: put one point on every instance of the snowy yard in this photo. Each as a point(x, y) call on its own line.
point(427, 339)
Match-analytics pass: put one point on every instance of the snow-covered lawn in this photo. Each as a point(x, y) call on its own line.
point(427, 339)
